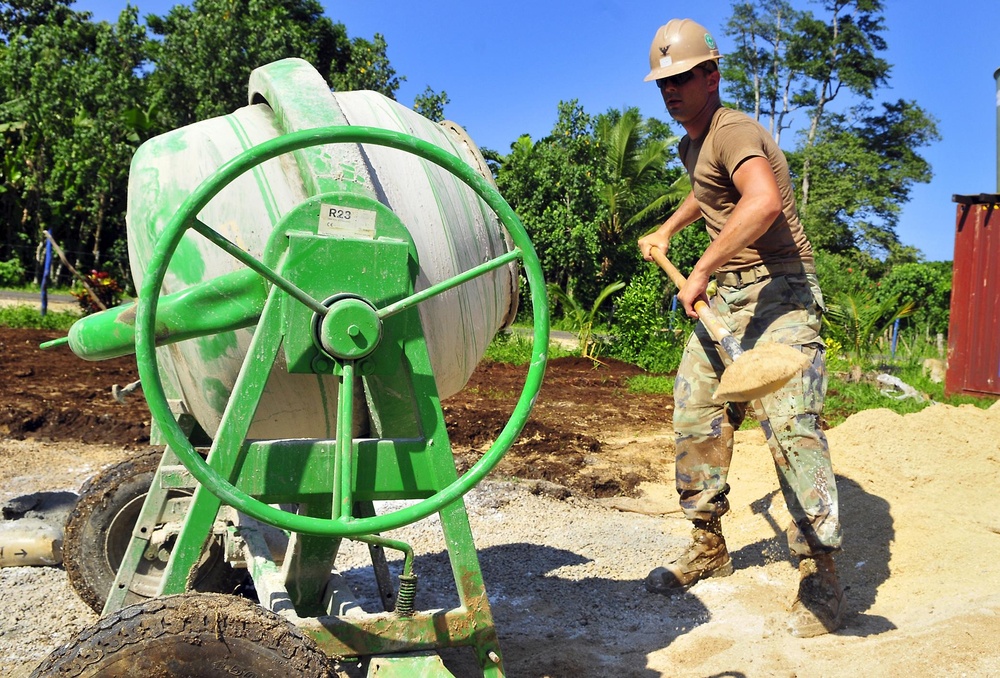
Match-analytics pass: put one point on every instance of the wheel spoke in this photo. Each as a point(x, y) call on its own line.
point(263, 271)
point(446, 285)
point(343, 467)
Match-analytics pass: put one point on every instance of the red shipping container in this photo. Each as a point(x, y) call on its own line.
point(974, 325)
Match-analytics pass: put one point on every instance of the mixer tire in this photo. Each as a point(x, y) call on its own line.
point(99, 528)
point(190, 634)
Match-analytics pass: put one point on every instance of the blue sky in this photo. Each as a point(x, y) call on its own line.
point(507, 65)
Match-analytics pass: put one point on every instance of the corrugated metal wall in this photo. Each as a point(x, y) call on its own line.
point(974, 329)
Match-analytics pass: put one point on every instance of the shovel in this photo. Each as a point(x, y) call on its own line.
point(752, 374)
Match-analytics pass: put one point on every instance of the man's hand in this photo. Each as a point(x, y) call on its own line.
point(693, 290)
point(654, 239)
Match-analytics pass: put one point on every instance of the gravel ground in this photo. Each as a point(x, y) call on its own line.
point(544, 568)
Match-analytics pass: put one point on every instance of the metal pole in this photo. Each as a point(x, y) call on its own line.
point(996, 76)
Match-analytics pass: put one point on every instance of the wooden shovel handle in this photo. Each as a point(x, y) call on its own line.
point(709, 319)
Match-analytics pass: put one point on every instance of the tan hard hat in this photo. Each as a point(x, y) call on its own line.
point(679, 46)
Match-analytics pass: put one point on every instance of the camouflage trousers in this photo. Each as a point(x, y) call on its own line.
point(783, 309)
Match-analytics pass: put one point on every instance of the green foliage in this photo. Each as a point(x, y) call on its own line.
point(580, 319)
point(925, 286)
point(367, 67)
point(11, 273)
point(635, 184)
point(99, 284)
point(67, 83)
point(650, 383)
point(853, 168)
point(863, 166)
point(645, 333)
point(846, 396)
point(860, 321)
point(205, 51)
point(430, 104)
point(928, 287)
point(515, 347)
point(77, 97)
point(28, 317)
point(550, 184)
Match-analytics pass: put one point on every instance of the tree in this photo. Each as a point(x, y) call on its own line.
point(430, 104)
point(853, 169)
point(837, 53)
point(636, 185)
point(367, 67)
point(758, 74)
point(205, 52)
point(868, 163)
point(926, 285)
point(67, 82)
point(21, 17)
point(550, 184)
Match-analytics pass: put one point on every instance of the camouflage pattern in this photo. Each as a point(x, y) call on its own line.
point(785, 309)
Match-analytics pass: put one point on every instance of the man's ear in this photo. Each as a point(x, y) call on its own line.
point(713, 80)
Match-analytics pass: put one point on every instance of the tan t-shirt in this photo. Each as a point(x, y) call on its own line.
point(732, 138)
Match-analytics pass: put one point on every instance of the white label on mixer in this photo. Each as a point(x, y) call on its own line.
point(348, 221)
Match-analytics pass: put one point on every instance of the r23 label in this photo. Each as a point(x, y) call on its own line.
point(346, 221)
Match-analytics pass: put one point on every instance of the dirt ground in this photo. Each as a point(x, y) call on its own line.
point(581, 508)
point(54, 396)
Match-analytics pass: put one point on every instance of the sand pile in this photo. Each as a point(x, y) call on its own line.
point(920, 507)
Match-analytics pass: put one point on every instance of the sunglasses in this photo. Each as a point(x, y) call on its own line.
point(675, 80)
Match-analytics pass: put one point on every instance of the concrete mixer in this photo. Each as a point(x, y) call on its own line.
point(316, 271)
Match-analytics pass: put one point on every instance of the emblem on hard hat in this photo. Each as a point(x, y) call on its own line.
point(710, 41)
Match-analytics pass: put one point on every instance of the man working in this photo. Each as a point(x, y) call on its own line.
point(767, 292)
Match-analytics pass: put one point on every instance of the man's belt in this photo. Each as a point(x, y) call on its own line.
point(754, 274)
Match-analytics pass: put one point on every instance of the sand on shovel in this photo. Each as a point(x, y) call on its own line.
point(759, 371)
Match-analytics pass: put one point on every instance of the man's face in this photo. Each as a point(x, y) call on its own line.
point(685, 94)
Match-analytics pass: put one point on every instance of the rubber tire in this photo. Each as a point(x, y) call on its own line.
point(100, 525)
point(191, 634)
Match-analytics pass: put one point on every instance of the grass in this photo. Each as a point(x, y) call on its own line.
point(514, 347)
point(845, 397)
point(651, 383)
point(28, 317)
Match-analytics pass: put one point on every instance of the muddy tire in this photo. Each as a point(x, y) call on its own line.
point(98, 530)
point(191, 634)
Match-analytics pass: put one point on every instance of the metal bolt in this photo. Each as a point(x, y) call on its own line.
point(353, 330)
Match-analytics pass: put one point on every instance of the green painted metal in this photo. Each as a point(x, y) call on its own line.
point(229, 302)
point(408, 666)
point(147, 313)
point(328, 304)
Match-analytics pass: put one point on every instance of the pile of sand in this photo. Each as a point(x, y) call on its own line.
point(920, 508)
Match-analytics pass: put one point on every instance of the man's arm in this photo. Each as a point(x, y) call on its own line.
point(758, 207)
point(686, 214)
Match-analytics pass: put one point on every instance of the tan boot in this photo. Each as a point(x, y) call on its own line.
point(819, 606)
point(706, 557)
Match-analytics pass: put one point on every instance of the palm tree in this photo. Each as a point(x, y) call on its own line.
point(580, 319)
point(636, 186)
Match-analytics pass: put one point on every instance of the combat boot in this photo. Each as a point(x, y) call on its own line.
point(819, 606)
point(706, 557)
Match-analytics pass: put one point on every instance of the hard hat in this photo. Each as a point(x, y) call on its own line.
point(679, 46)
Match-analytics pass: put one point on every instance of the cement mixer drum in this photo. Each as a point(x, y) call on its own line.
point(452, 229)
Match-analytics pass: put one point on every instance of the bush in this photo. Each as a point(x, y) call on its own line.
point(26, 317)
point(645, 332)
point(928, 286)
point(104, 287)
point(11, 273)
